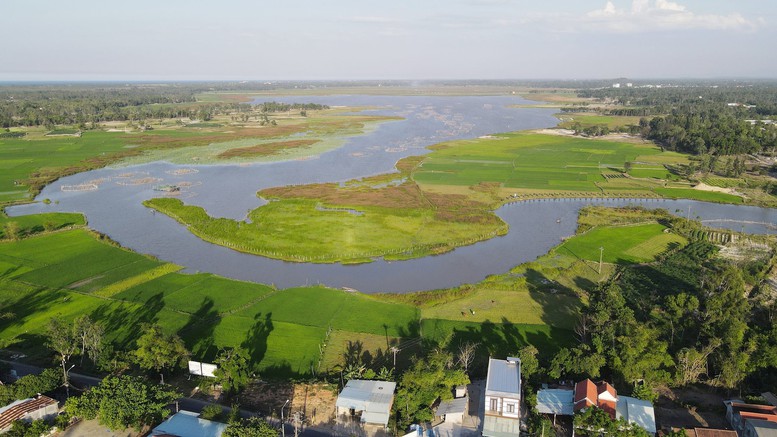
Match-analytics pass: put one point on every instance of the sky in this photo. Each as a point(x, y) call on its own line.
point(387, 39)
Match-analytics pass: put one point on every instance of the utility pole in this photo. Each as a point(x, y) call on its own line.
point(601, 254)
point(296, 424)
point(395, 349)
point(283, 425)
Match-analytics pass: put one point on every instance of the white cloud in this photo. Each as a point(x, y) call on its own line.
point(646, 15)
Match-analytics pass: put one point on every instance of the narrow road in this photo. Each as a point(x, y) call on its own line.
point(83, 382)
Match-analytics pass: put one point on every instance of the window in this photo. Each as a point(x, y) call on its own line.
point(494, 403)
point(510, 408)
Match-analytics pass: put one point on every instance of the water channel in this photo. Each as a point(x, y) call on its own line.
point(115, 207)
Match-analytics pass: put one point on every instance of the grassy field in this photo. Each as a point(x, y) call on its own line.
point(299, 331)
point(354, 225)
point(570, 119)
point(34, 224)
point(69, 273)
point(649, 171)
point(622, 244)
point(706, 196)
point(528, 160)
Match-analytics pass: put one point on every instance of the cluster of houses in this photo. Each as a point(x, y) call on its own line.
point(368, 404)
point(500, 415)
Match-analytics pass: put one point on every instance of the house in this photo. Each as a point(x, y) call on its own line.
point(556, 401)
point(739, 413)
point(602, 395)
point(503, 398)
point(188, 424)
point(452, 410)
point(637, 412)
point(587, 394)
point(760, 428)
point(40, 407)
point(368, 401)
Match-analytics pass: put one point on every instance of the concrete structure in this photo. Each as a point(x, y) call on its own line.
point(40, 407)
point(452, 410)
point(188, 424)
point(503, 398)
point(759, 428)
point(638, 412)
point(368, 401)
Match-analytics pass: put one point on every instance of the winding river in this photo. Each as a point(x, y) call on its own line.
point(115, 206)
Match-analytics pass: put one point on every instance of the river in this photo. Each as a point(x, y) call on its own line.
point(115, 207)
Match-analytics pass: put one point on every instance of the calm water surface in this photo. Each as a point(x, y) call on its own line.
point(116, 209)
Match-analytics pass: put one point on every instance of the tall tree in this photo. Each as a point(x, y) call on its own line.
point(233, 371)
point(123, 401)
point(428, 379)
point(90, 334)
point(159, 351)
point(63, 340)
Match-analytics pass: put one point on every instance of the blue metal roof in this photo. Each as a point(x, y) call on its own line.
point(187, 424)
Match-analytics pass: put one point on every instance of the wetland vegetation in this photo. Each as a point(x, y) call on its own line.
point(432, 204)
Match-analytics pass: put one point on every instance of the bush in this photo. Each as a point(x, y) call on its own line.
point(212, 412)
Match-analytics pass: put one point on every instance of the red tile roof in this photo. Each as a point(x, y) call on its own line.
point(771, 417)
point(585, 394)
point(20, 410)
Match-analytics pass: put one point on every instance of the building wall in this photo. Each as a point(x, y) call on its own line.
point(502, 406)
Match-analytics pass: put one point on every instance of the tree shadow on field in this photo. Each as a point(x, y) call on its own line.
point(127, 319)
point(560, 304)
point(256, 338)
point(198, 331)
point(503, 339)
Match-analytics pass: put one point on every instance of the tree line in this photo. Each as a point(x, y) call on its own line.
point(691, 317)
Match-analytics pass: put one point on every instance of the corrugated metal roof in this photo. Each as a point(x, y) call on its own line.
point(452, 406)
point(19, 409)
point(371, 397)
point(555, 401)
point(638, 412)
point(504, 378)
point(188, 424)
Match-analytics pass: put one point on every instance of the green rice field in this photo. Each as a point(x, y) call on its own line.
point(622, 244)
point(528, 160)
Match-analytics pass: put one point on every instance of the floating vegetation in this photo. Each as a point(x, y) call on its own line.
point(140, 181)
point(182, 171)
point(79, 187)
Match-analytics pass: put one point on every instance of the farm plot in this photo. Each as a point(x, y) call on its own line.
point(621, 244)
point(527, 160)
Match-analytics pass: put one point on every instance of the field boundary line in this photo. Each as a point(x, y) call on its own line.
point(133, 281)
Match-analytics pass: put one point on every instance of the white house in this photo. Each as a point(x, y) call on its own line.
point(188, 423)
point(368, 401)
point(503, 398)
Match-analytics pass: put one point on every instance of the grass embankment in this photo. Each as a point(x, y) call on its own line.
point(265, 149)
